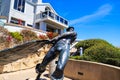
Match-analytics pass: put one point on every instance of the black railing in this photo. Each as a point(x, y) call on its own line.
point(48, 14)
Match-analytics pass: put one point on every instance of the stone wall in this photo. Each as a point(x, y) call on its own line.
point(86, 70)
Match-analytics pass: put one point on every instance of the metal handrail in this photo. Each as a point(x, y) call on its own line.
point(49, 14)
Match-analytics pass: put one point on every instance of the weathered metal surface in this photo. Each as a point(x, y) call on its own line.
point(20, 51)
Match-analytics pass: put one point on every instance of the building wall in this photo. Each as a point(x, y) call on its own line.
point(40, 9)
point(27, 16)
point(29, 12)
point(36, 1)
point(43, 26)
point(5, 7)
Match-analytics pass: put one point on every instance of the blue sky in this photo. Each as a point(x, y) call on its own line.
point(91, 18)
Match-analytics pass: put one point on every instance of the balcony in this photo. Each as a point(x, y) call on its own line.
point(52, 18)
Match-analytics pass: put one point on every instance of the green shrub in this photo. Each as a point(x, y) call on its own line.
point(28, 35)
point(113, 61)
point(87, 58)
point(98, 50)
point(76, 57)
point(91, 42)
point(17, 36)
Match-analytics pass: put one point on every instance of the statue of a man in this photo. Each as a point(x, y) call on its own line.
point(61, 47)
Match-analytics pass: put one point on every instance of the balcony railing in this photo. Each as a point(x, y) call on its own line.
point(48, 14)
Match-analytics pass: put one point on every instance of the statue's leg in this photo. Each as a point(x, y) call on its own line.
point(49, 57)
point(63, 58)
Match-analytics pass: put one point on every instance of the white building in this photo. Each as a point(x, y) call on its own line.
point(33, 13)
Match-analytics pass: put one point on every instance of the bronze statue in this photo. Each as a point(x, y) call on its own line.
point(61, 47)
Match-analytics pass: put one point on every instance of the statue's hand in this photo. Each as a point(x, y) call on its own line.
point(52, 41)
point(40, 68)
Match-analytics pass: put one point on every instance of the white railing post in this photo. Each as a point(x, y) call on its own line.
point(81, 51)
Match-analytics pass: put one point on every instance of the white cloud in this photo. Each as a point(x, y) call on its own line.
point(102, 11)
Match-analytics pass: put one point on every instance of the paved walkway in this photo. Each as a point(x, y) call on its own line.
point(28, 74)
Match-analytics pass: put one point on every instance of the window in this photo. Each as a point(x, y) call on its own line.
point(50, 29)
point(19, 5)
point(29, 25)
point(61, 20)
point(17, 21)
point(57, 18)
point(59, 31)
point(66, 22)
point(44, 14)
point(0, 5)
point(37, 25)
point(51, 14)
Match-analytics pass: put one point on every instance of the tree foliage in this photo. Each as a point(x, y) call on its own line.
point(17, 36)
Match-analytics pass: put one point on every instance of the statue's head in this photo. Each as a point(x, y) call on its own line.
point(70, 29)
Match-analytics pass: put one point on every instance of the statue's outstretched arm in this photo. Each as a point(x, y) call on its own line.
point(64, 35)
